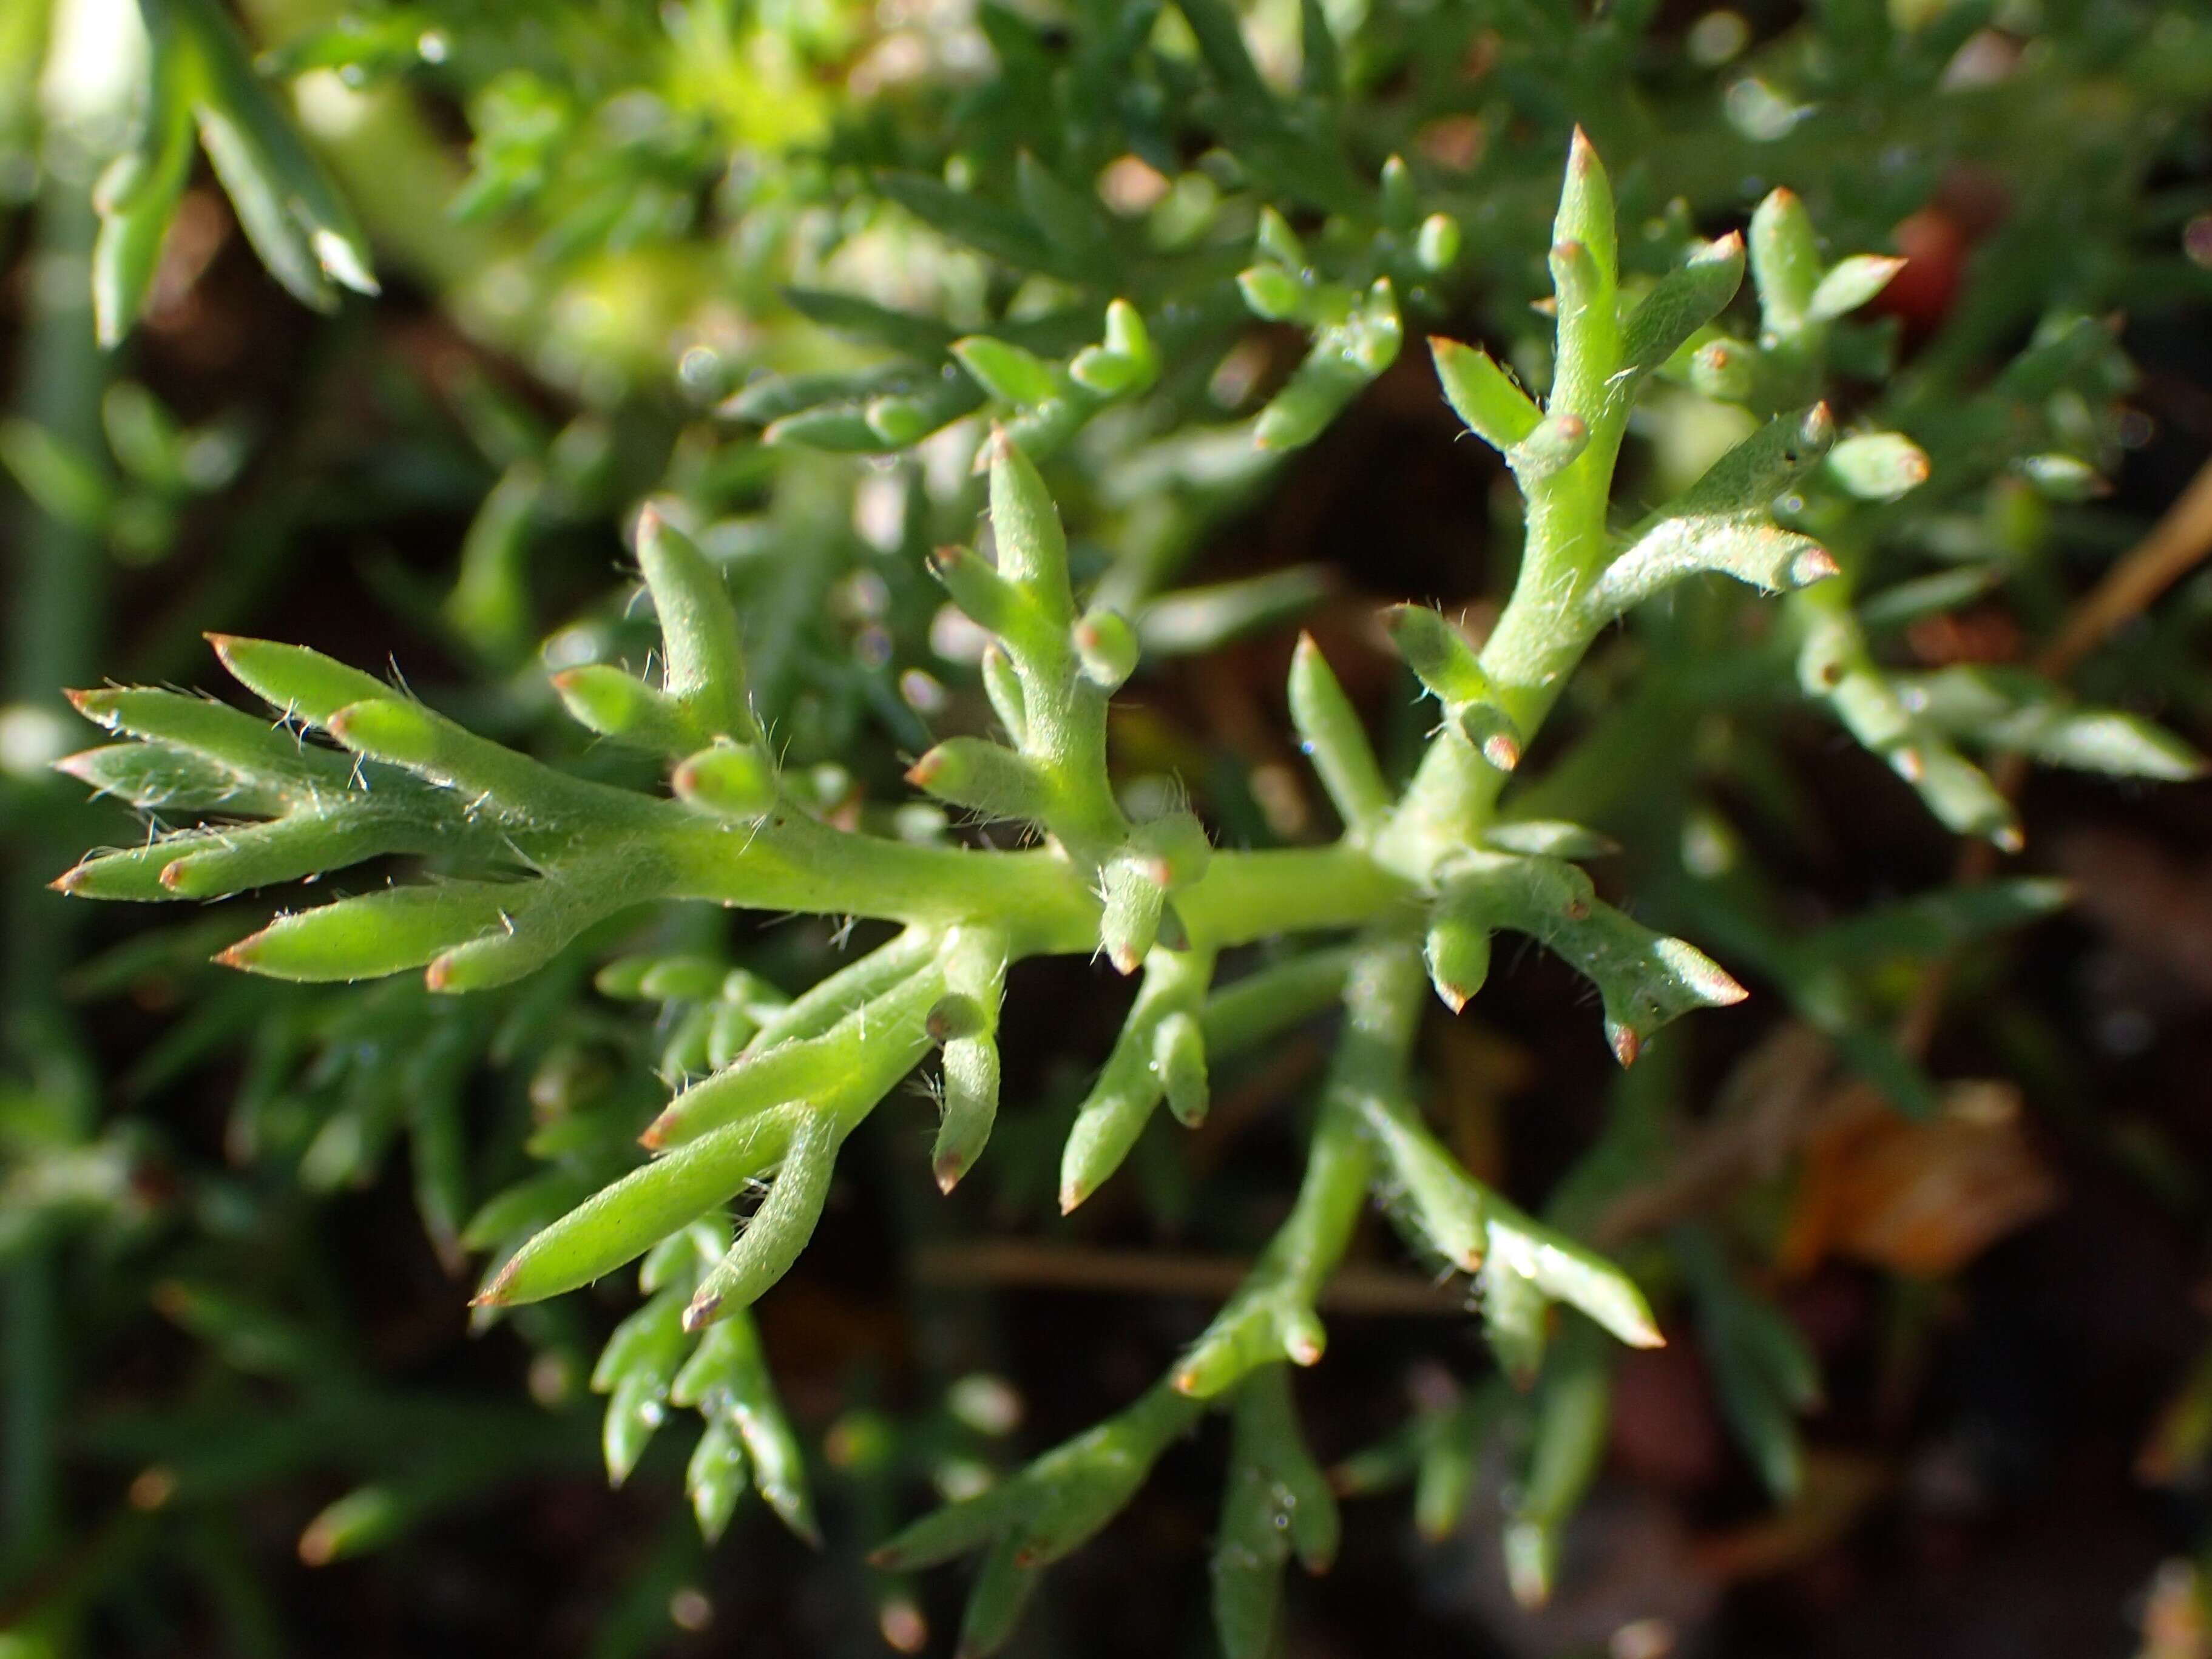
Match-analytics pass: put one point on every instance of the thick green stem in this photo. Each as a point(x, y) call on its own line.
point(793, 863)
point(1540, 638)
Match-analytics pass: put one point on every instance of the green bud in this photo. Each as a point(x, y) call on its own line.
point(303, 684)
point(1003, 686)
point(616, 704)
point(513, 950)
point(1555, 444)
point(1129, 920)
point(1685, 300)
point(1785, 260)
point(1006, 371)
point(647, 1337)
point(680, 1256)
point(1437, 652)
point(715, 1478)
point(1319, 389)
point(362, 1521)
point(1401, 202)
point(733, 1026)
point(1585, 217)
point(620, 1223)
point(1878, 466)
point(956, 1014)
point(1485, 396)
point(1578, 286)
point(2062, 477)
point(243, 744)
point(1724, 370)
point(727, 1379)
point(1750, 475)
point(371, 936)
point(1179, 1053)
point(735, 780)
point(1566, 1271)
point(1375, 332)
point(1436, 245)
point(1743, 546)
point(290, 211)
point(902, 418)
point(1849, 284)
point(159, 777)
point(983, 777)
point(1107, 648)
point(1548, 838)
point(1330, 734)
point(1573, 1406)
point(1130, 1084)
point(1443, 1204)
point(701, 644)
point(138, 197)
point(1032, 546)
point(1515, 1321)
point(1277, 241)
point(1001, 1590)
point(971, 1106)
point(638, 1362)
point(840, 428)
point(1172, 848)
point(1125, 362)
point(1644, 978)
point(778, 1230)
point(407, 735)
point(1274, 294)
point(681, 978)
point(1457, 954)
point(982, 593)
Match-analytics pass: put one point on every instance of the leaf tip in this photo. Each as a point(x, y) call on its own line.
point(1815, 564)
point(701, 1310)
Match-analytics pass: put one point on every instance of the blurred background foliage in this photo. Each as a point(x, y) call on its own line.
point(368, 326)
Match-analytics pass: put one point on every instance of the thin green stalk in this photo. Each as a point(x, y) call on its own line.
point(59, 572)
point(1271, 1316)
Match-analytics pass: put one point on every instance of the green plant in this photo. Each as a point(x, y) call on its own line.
point(747, 767)
point(550, 855)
